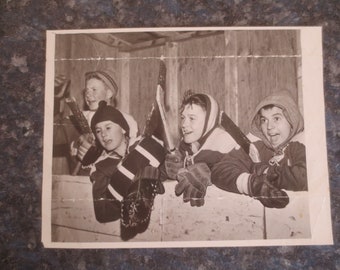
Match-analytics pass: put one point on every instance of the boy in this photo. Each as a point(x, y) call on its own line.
point(277, 133)
point(125, 176)
point(203, 144)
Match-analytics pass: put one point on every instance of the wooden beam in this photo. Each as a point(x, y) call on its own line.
point(171, 98)
point(230, 78)
point(124, 90)
point(171, 37)
point(109, 39)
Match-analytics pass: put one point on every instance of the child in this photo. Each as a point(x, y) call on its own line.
point(277, 133)
point(112, 136)
point(125, 177)
point(99, 85)
point(202, 145)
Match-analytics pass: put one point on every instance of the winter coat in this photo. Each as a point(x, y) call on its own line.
point(287, 161)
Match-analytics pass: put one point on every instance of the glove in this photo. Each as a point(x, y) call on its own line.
point(270, 196)
point(137, 204)
point(272, 173)
point(259, 168)
point(273, 176)
point(82, 145)
point(193, 183)
point(173, 162)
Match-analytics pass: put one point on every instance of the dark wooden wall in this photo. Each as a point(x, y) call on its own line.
point(238, 68)
point(77, 54)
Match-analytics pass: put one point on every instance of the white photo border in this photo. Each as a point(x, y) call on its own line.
point(315, 137)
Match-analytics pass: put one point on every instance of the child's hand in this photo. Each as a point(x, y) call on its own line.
point(270, 196)
point(83, 144)
point(193, 183)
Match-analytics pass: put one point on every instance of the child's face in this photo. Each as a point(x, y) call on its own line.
point(109, 134)
point(274, 125)
point(95, 92)
point(192, 122)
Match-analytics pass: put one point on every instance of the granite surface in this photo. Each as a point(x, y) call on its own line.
point(22, 65)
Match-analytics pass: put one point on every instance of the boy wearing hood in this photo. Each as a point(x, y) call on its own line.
point(203, 144)
point(277, 133)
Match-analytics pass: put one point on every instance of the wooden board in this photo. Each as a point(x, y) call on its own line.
point(224, 216)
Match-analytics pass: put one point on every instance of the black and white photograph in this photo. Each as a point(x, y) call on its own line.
point(185, 137)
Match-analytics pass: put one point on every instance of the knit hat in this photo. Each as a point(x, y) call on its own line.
point(106, 76)
point(109, 113)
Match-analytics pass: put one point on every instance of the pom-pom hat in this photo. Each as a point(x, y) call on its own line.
point(109, 113)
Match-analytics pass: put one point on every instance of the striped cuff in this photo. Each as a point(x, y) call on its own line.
point(242, 183)
point(149, 151)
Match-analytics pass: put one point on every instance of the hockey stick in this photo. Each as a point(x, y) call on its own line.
point(81, 122)
point(248, 147)
point(241, 139)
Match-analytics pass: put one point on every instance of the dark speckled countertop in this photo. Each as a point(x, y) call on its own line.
point(22, 65)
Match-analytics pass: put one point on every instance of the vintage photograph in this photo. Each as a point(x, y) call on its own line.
point(185, 137)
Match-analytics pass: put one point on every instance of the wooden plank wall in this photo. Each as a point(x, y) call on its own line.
point(144, 70)
point(200, 66)
point(238, 68)
point(224, 216)
point(266, 62)
point(78, 54)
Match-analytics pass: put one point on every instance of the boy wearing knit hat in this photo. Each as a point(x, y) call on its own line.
point(112, 137)
point(277, 133)
point(125, 170)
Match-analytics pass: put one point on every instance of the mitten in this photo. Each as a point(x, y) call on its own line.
point(137, 204)
point(260, 188)
point(83, 144)
point(152, 174)
point(173, 163)
point(193, 182)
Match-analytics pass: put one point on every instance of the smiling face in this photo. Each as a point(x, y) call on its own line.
point(96, 91)
point(110, 135)
point(274, 125)
point(192, 122)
